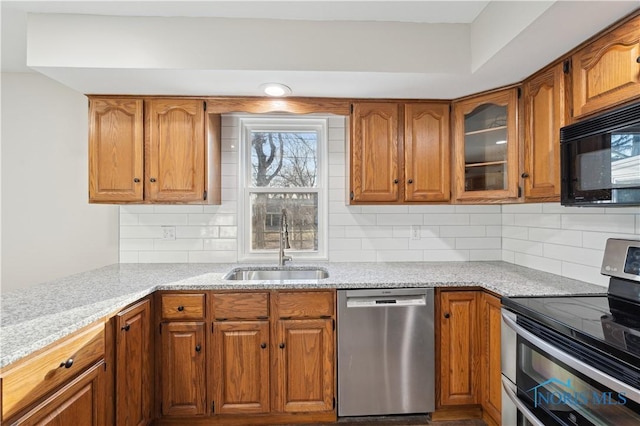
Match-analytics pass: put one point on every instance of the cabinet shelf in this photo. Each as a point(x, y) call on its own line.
point(489, 163)
point(489, 129)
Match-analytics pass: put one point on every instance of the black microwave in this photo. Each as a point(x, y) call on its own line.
point(600, 160)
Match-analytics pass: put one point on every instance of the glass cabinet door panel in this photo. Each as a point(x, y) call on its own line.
point(485, 178)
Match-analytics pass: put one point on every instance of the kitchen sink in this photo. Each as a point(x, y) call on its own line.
point(242, 274)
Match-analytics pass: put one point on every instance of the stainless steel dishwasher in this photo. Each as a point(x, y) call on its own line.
point(385, 352)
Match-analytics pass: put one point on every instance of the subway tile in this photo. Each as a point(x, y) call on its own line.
point(352, 219)
point(128, 218)
point(336, 121)
point(229, 194)
point(352, 256)
point(508, 219)
point(385, 209)
point(478, 243)
point(485, 219)
point(228, 232)
point(341, 207)
point(517, 232)
point(446, 255)
point(538, 220)
point(433, 244)
point(177, 208)
point(163, 257)
point(197, 232)
point(128, 257)
point(399, 256)
point(337, 145)
point(213, 256)
point(140, 231)
point(136, 244)
point(556, 236)
point(163, 219)
point(382, 244)
point(229, 144)
point(207, 219)
point(599, 222)
point(508, 256)
point(337, 170)
point(540, 263)
point(486, 209)
point(425, 231)
point(229, 171)
point(399, 219)
point(136, 208)
point(339, 195)
point(522, 208)
point(523, 246)
point(582, 256)
point(229, 120)
point(337, 232)
point(446, 219)
point(230, 132)
point(494, 231)
point(463, 231)
point(337, 158)
point(337, 134)
point(178, 244)
point(622, 210)
point(368, 232)
point(437, 209)
point(211, 244)
point(557, 208)
point(337, 182)
point(345, 244)
point(485, 255)
point(225, 208)
point(227, 157)
point(584, 273)
point(598, 240)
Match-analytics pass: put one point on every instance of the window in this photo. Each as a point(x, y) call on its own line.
point(283, 167)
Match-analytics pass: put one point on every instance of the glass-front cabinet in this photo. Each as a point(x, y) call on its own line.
point(486, 146)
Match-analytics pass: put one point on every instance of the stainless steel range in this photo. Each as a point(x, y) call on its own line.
point(575, 360)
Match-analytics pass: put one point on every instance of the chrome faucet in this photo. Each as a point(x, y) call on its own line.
point(284, 239)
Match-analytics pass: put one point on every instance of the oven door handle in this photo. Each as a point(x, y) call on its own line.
point(511, 393)
point(610, 382)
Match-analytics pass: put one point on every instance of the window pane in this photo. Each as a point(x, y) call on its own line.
point(302, 219)
point(284, 159)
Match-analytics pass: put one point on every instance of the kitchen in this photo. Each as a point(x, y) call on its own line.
point(533, 235)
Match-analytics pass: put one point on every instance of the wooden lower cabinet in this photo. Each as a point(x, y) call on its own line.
point(183, 369)
point(241, 367)
point(468, 356)
point(304, 365)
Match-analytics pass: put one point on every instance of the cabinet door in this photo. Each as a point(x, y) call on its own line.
point(607, 71)
point(491, 371)
point(459, 348)
point(544, 115)
point(81, 402)
point(115, 150)
point(241, 367)
point(183, 369)
point(174, 149)
point(426, 150)
point(486, 146)
point(304, 354)
point(374, 152)
point(133, 366)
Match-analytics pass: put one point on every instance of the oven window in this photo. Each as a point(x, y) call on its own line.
point(569, 396)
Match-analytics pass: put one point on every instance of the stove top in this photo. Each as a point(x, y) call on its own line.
point(605, 322)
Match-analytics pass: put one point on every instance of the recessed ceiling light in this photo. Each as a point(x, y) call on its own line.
point(275, 89)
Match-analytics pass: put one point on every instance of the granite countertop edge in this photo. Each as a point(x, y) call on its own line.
point(68, 304)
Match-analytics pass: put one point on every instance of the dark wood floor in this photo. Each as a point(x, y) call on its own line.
point(401, 421)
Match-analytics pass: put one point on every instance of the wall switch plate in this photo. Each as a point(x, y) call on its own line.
point(168, 232)
point(415, 232)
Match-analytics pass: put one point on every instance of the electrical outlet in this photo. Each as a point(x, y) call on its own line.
point(168, 232)
point(415, 232)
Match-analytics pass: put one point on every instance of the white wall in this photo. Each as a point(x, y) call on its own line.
point(48, 228)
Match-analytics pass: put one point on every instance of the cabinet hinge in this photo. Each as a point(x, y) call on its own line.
point(519, 191)
point(213, 406)
point(566, 66)
point(519, 92)
point(161, 407)
point(211, 327)
point(334, 402)
point(351, 195)
point(204, 195)
point(105, 366)
point(351, 108)
point(160, 328)
point(204, 105)
point(333, 321)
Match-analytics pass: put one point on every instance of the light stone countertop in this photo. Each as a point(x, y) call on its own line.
point(34, 317)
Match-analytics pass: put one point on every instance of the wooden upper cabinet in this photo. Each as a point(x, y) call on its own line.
point(426, 151)
point(115, 150)
point(607, 71)
point(544, 114)
point(175, 150)
point(374, 152)
point(486, 147)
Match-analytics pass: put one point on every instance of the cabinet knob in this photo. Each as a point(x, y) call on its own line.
point(395, 181)
point(410, 181)
point(152, 179)
point(638, 59)
point(281, 345)
point(447, 314)
point(180, 308)
point(126, 327)
point(136, 180)
point(67, 364)
point(263, 346)
point(525, 175)
point(198, 348)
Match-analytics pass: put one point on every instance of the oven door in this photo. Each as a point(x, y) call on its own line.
point(555, 386)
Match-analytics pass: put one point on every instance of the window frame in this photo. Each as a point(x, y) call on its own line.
point(285, 122)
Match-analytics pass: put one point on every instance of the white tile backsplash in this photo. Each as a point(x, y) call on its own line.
point(548, 237)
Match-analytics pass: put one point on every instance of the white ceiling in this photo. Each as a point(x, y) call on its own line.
point(401, 49)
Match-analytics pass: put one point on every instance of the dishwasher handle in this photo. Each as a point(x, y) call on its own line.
point(386, 301)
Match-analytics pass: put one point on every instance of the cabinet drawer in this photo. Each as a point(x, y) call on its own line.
point(305, 304)
point(47, 371)
point(183, 306)
point(240, 305)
